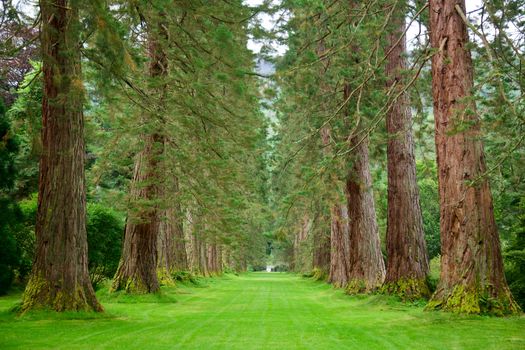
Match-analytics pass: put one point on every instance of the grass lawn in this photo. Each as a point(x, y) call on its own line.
point(255, 311)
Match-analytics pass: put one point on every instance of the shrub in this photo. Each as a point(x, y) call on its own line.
point(9, 213)
point(104, 231)
point(515, 258)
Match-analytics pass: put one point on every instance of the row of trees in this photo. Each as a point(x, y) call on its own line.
point(348, 88)
point(165, 95)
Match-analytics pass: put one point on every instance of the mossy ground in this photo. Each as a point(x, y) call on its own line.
point(255, 311)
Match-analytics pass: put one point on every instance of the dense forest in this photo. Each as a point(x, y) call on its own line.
point(142, 143)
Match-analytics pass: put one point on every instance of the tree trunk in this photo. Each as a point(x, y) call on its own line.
point(407, 259)
point(321, 254)
point(171, 247)
point(472, 278)
point(367, 267)
point(203, 259)
point(137, 271)
point(339, 239)
point(339, 235)
point(214, 259)
point(59, 279)
point(322, 245)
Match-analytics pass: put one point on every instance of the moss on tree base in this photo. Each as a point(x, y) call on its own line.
point(408, 289)
point(164, 277)
point(359, 286)
point(319, 275)
point(132, 285)
point(41, 294)
point(471, 301)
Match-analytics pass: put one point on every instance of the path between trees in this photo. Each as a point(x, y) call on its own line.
point(256, 311)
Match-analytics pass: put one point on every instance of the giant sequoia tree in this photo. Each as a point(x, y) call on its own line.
point(407, 262)
point(472, 278)
point(137, 271)
point(59, 279)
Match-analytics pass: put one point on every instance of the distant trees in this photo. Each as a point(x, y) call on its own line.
point(355, 54)
point(164, 123)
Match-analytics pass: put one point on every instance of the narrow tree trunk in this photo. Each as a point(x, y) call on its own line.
point(203, 259)
point(407, 259)
point(322, 245)
point(59, 279)
point(339, 234)
point(472, 277)
point(171, 245)
point(214, 259)
point(339, 239)
point(166, 262)
point(137, 271)
point(367, 267)
point(321, 254)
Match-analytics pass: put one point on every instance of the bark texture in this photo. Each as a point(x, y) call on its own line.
point(339, 235)
point(322, 236)
point(366, 265)
point(137, 271)
point(59, 279)
point(301, 263)
point(472, 278)
point(171, 246)
point(407, 259)
point(321, 253)
point(340, 249)
point(214, 259)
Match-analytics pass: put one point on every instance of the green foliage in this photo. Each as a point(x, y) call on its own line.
point(429, 201)
point(9, 214)
point(26, 116)
point(9, 211)
point(104, 233)
point(515, 259)
point(25, 235)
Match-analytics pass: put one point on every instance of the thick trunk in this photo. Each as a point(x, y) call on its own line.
point(472, 278)
point(137, 271)
point(59, 279)
point(407, 263)
point(367, 267)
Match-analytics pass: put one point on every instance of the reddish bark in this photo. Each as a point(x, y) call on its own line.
point(366, 265)
point(171, 244)
point(407, 262)
point(137, 271)
point(472, 278)
point(59, 279)
point(339, 238)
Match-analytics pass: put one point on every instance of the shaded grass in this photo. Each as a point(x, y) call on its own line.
point(255, 311)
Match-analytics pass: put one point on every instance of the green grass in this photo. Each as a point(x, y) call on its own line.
point(255, 311)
